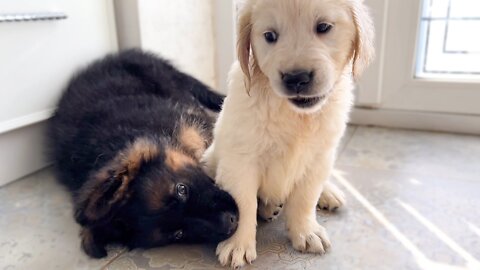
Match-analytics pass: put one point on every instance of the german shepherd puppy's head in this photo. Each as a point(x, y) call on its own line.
point(153, 193)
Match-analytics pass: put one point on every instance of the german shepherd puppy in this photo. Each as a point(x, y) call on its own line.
point(126, 140)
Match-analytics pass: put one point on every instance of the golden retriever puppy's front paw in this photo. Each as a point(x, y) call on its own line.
point(310, 237)
point(237, 251)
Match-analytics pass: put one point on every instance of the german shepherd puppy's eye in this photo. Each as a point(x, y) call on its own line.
point(126, 139)
point(182, 190)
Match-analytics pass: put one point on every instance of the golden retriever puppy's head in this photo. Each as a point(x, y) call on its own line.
point(303, 47)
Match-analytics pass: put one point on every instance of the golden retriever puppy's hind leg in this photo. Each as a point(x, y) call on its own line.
point(332, 197)
point(269, 211)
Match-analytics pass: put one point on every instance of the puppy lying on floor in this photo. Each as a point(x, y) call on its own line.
point(287, 108)
point(126, 140)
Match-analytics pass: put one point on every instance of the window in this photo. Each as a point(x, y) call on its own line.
point(449, 40)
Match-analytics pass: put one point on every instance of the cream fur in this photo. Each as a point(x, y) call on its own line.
point(266, 147)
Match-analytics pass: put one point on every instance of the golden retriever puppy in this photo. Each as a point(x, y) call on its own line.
point(289, 97)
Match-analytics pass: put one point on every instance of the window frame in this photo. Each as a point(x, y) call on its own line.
point(392, 82)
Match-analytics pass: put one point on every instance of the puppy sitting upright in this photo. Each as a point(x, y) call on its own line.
point(287, 107)
point(127, 138)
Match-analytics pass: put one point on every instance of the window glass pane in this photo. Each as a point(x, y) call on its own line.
point(439, 9)
point(449, 41)
point(462, 38)
point(464, 8)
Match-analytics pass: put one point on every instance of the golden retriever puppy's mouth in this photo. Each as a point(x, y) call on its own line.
point(306, 102)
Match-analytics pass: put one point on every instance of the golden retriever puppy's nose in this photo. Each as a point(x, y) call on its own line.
point(297, 81)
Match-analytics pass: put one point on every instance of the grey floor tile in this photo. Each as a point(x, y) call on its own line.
point(456, 156)
point(413, 201)
point(346, 138)
point(433, 213)
point(37, 226)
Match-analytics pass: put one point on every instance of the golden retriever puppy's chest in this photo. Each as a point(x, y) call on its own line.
point(284, 164)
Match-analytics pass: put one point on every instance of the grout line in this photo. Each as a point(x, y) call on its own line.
point(113, 259)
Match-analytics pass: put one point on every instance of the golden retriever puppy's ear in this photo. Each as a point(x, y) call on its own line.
point(364, 50)
point(244, 46)
point(109, 188)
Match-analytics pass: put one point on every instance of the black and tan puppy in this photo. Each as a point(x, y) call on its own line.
point(126, 140)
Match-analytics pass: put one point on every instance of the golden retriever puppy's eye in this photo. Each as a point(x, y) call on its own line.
point(323, 28)
point(271, 36)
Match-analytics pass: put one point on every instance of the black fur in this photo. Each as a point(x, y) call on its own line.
point(117, 144)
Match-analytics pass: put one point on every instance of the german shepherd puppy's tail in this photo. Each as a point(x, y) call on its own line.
point(207, 97)
point(152, 68)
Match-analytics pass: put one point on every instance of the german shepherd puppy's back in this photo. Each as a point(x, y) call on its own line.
point(126, 140)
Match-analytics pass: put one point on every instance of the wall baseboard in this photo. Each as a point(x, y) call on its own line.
point(27, 120)
point(453, 123)
point(23, 152)
point(23, 145)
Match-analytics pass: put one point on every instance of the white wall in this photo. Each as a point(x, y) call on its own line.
point(37, 58)
point(181, 31)
point(225, 39)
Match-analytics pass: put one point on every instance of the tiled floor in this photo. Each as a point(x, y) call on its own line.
point(413, 203)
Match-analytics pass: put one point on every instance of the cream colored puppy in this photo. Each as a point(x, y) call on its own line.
point(287, 107)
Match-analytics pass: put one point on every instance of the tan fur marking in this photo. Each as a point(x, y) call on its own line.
point(192, 139)
point(176, 160)
point(156, 194)
point(130, 161)
point(155, 200)
point(124, 168)
point(140, 151)
point(87, 239)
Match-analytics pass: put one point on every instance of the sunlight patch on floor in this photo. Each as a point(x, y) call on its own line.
point(473, 228)
point(472, 263)
point(422, 261)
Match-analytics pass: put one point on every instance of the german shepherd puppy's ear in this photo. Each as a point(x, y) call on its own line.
point(109, 187)
point(92, 245)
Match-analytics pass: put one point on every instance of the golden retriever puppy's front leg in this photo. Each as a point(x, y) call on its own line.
point(303, 229)
point(240, 179)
